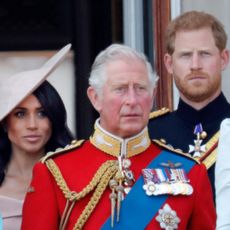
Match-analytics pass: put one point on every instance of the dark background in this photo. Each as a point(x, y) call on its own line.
point(50, 24)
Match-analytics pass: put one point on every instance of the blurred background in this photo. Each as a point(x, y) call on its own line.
point(31, 31)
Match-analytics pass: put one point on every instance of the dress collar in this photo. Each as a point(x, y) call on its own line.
point(117, 146)
point(209, 113)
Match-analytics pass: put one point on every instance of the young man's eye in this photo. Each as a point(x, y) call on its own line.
point(185, 55)
point(205, 54)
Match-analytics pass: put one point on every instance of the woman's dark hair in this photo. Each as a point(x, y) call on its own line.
point(55, 110)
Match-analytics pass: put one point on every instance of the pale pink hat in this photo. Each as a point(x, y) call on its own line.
point(14, 89)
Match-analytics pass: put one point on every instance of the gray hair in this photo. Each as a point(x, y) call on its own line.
point(115, 52)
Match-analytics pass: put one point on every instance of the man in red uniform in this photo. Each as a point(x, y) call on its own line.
point(119, 178)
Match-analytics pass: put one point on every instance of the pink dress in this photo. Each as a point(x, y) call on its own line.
point(11, 212)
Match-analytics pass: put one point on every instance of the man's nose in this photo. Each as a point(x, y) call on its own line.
point(131, 97)
point(195, 61)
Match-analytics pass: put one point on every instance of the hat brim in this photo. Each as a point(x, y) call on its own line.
point(14, 89)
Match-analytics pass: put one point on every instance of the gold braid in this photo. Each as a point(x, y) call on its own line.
point(71, 195)
point(100, 179)
point(96, 196)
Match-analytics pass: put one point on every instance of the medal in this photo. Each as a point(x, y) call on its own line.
point(197, 149)
point(168, 180)
point(168, 218)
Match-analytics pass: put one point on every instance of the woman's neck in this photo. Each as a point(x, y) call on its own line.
point(18, 174)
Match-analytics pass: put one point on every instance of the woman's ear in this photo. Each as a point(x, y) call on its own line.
point(94, 98)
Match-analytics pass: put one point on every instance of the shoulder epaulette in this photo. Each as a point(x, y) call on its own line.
point(74, 144)
point(162, 143)
point(209, 157)
point(159, 113)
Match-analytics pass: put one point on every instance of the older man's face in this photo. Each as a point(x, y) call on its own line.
point(127, 98)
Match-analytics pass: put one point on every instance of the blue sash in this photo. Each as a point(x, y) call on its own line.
point(138, 209)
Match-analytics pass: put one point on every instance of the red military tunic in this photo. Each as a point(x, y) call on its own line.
point(45, 202)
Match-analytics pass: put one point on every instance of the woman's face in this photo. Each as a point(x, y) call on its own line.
point(28, 127)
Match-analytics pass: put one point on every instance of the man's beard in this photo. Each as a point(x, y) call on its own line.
point(197, 91)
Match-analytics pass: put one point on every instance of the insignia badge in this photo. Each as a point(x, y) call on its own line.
point(168, 218)
point(166, 180)
point(197, 149)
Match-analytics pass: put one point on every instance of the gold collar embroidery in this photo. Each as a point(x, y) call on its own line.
point(117, 146)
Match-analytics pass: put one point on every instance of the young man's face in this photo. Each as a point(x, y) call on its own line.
point(196, 65)
point(126, 99)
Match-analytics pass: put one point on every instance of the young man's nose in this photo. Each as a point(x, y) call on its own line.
point(195, 61)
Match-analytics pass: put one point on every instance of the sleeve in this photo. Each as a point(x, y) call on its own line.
point(222, 177)
point(40, 209)
point(204, 213)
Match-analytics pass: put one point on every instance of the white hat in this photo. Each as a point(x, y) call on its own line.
point(14, 89)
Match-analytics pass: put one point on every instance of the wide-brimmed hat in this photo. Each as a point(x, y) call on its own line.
point(14, 89)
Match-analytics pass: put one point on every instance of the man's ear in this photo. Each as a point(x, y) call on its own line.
point(168, 63)
point(224, 58)
point(94, 98)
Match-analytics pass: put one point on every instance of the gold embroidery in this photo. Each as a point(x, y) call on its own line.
point(116, 146)
point(209, 157)
point(74, 144)
point(159, 113)
point(105, 142)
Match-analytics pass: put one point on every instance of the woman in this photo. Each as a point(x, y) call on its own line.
point(30, 126)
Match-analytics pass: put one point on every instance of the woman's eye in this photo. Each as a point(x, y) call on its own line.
point(20, 114)
point(42, 113)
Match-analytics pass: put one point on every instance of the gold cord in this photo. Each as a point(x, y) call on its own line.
point(100, 180)
point(96, 196)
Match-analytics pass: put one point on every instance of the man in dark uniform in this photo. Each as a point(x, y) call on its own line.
point(196, 56)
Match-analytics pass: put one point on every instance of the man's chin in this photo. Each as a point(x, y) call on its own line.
point(131, 130)
point(198, 97)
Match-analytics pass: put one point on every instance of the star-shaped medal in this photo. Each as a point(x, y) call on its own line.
point(168, 218)
point(197, 149)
